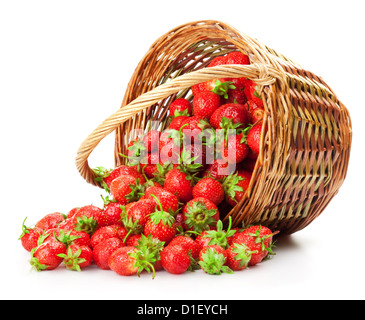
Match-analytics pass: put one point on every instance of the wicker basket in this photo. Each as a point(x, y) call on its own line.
point(306, 146)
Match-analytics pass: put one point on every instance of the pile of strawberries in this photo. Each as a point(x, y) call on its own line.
point(164, 209)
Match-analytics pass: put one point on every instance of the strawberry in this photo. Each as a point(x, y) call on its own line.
point(105, 177)
point(29, 237)
point(254, 138)
point(112, 213)
point(212, 260)
point(151, 140)
point(256, 113)
point(170, 144)
point(103, 250)
point(161, 224)
point(205, 103)
point(219, 236)
point(135, 218)
point(235, 186)
point(175, 259)
point(252, 93)
point(209, 86)
point(122, 262)
point(187, 244)
point(46, 255)
point(180, 184)
point(77, 257)
point(200, 214)
point(209, 188)
point(104, 233)
point(180, 107)
point(233, 149)
point(177, 122)
point(258, 239)
point(229, 114)
point(235, 96)
point(238, 256)
point(237, 57)
point(192, 128)
point(133, 240)
point(217, 61)
point(87, 218)
point(219, 169)
point(130, 260)
point(72, 212)
point(202, 240)
point(125, 189)
point(149, 164)
point(50, 221)
point(168, 200)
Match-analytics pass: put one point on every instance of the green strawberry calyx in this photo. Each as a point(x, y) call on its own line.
point(230, 185)
point(147, 253)
point(199, 217)
point(72, 259)
point(219, 236)
point(161, 216)
point(243, 254)
point(221, 88)
point(213, 262)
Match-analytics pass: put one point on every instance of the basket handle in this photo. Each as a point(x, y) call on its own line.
point(261, 74)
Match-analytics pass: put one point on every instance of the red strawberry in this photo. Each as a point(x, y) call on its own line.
point(238, 256)
point(151, 140)
point(187, 244)
point(254, 138)
point(135, 218)
point(131, 260)
point(87, 218)
point(192, 127)
point(217, 61)
point(104, 233)
point(252, 93)
point(125, 189)
point(177, 122)
point(180, 107)
point(112, 213)
point(235, 113)
point(161, 224)
point(170, 144)
point(202, 240)
point(104, 249)
point(236, 57)
point(235, 186)
point(46, 255)
point(107, 176)
point(133, 240)
point(180, 184)
point(234, 150)
point(72, 212)
point(219, 236)
point(50, 221)
point(200, 214)
point(77, 257)
point(212, 260)
point(149, 164)
point(219, 169)
point(205, 103)
point(29, 237)
point(168, 200)
point(256, 113)
point(209, 188)
point(121, 261)
point(258, 239)
point(235, 96)
point(175, 259)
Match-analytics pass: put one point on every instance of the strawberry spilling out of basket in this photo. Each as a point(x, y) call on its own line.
point(164, 208)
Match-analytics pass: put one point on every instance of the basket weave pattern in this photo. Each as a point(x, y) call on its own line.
point(306, 146)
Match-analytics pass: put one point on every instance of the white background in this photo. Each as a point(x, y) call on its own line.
point(64, 68)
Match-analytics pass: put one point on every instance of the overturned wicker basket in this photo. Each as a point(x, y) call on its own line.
point(305, 151)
